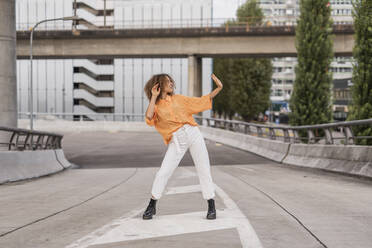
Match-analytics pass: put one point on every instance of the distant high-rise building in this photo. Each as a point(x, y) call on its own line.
point(286, 12)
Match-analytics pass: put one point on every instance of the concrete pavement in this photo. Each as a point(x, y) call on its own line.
point(259, 203)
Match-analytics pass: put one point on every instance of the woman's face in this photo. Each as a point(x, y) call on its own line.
point(169, 85)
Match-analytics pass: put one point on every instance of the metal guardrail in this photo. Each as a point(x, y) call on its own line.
point(23, 139)
point(284, 20)
point(84, 116)
point(341, 131)
point(330, 133)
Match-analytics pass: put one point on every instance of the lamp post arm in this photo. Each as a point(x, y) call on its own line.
point(71, 18)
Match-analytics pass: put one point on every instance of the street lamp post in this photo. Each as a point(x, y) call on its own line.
point(31, 100)
point(212, 13)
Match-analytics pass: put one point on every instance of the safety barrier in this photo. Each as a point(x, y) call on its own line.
point(283, 144)
point(28, 154)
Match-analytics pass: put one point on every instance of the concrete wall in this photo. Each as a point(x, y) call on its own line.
point(355, 160)
point(19, 165)
point(274, 150)
point(118, 45)
point(8, 82)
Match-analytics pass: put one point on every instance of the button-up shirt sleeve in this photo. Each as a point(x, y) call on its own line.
point(152, 121)
point(195, 104)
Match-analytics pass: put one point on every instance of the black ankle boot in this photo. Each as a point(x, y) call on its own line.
point(211, 210)
point(150, 210)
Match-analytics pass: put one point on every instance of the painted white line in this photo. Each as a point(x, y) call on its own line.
point(183, 189)
point(186, 174)
point(245, 168)
point(90, 238)
point(167, 225)
point(132, 227)
point(248, 236)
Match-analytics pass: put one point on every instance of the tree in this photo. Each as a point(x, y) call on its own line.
point(247, 81)
point(310, 102)
point(361, 106)
point(250, 12)
point(222, 105)
point(251, 87)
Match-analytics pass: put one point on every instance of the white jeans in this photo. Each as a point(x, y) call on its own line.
point(187, 136)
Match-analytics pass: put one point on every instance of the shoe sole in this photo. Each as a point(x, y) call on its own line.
point(211, 218)
point(147, 218)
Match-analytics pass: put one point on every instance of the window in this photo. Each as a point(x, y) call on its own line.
point(289, 81)
point(278, 92)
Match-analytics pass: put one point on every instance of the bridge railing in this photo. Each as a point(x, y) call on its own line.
point(23, 139)
point(173, 23)
point(330, 133)
point(84, 116)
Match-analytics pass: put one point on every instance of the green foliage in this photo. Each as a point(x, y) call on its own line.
point(310, 102)
point(361, 106)
point(251, 87)
point(250, 12)
point(223, 68)
point(247, 82)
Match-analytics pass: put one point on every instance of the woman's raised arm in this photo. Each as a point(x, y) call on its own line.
point(219, 86)
point(155, 91)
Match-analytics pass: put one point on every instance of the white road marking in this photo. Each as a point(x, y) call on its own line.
point(187, 173)
point(183, 189)
point(133, 227)
point(245, 168)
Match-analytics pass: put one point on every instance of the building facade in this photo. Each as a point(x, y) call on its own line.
point(87, 87)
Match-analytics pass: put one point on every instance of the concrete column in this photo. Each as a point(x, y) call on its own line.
point(8, 82)
point(195, 76)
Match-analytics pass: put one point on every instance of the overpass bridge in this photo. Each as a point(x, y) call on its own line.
point(193, 43)
point(228, 41)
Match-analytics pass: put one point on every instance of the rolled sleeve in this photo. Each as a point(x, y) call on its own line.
point(152, 121)
point(198, 104)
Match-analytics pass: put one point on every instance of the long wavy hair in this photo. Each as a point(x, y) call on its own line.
point(161, 79)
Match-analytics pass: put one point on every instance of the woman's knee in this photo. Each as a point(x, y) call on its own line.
point(163, 173)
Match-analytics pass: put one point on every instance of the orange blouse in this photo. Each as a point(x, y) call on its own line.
point(174, 111)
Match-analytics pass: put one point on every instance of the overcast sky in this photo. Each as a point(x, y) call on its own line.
point(225, 8)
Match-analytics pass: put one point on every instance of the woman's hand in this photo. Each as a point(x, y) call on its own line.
point(217, 81)
point(219, 86)
point(155, 91)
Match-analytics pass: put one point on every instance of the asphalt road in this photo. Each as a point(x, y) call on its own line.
point(259, 203)
point(93, 150)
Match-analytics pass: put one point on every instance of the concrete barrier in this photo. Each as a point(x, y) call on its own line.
point(271, 149)
point(19, 165)
point(59, 126)
point(356, 160)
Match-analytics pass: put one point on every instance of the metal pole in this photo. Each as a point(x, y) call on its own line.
point(75, 7)
point(104, 13)
point(211, 13)
point(31, 101)
point(75, 14)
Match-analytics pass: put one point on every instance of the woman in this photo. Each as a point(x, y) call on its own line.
point(171, 114)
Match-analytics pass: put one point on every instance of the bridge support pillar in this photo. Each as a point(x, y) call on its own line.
point(195, 76)
point(8, 82)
